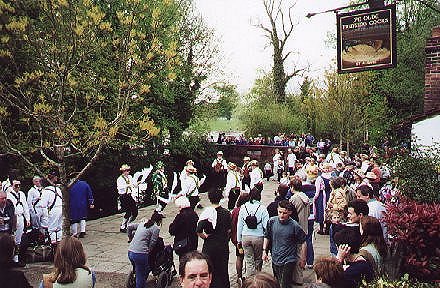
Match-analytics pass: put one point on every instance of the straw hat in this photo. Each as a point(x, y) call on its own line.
point(189, 163)
point(254, 163)
point(124, 167)
point(246, 158)
point(371, 175)
point(220, 152)
point(232, 166)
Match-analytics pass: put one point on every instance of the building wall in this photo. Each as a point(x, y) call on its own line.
point(426, 132)
point(432, 72)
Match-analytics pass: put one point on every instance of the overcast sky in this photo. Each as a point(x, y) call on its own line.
point(244, 48)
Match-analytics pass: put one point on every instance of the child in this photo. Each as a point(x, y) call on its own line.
point(335, 226)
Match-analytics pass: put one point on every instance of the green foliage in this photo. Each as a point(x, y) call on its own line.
point(263, 114)
point(418, 176)
point(404, 282)
point(80, 76)
point(403, 86)
point(228, 100)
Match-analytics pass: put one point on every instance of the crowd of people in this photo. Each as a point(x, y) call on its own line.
point(343, 196)
point(36, 217)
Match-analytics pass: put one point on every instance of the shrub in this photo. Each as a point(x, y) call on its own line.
point(415, 231)
point(404, 282)
point(418, 177)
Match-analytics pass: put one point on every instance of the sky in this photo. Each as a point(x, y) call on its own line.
point(244, 49)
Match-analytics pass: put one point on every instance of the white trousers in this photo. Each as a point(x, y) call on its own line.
point(20, 229)
point(55, 224)
point(37, 217)
point(74, 227)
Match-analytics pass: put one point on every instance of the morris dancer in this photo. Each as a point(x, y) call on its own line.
point(160, 187)
point(233, 184)
point(219, 165)
point(256, 174)
point(190, 187)
point(33, 197)
point(52, 203)
point(245, 172)
point(126, 186)
point(17, 197)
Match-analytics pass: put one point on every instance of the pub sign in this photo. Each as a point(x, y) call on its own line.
point(367, 39)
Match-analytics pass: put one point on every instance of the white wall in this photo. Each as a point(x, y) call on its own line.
point(426, 132)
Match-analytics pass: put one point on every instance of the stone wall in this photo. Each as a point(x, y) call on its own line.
point(432, 72)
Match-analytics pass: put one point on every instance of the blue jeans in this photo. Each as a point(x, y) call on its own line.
point(310, 252)
point(141, 266)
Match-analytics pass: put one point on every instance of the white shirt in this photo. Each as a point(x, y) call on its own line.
point(20, 208)
point(275, 159)
point(222, 161)
point(333, 158)
point(34, 194)
point(51, 195)
point(191, 184)
point(376, 209)
point(291, 159)
point(125, 184)
point(256, 176)
point(232, 180)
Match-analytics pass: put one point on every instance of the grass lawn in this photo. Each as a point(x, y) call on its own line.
point(224, 125)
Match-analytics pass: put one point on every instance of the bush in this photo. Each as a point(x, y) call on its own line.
point(418, 177)
point(404, 282)
point(415, 231)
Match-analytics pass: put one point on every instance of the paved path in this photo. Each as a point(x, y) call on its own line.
point(106, 247)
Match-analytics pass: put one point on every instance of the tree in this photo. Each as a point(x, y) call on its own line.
point(278, 33)
point(78, 77)
point(228, 100)
point(262, 114)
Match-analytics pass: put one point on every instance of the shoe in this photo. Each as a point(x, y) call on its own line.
point(123, 230)
point(82, 234)
point(320, 232)
point(309, 266)
point(199, 206)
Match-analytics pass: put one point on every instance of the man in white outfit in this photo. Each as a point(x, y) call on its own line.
point(291, 160)
point(126, 189)
point(233, 185)
point(276, 158)
point(33, 197)
point(18, 198)
point(256, 174)
point(190, 186)
point(52, 202)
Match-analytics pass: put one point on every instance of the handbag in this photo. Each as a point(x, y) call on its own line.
point(181, 245)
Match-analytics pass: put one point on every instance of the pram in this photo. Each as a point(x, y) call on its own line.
point(161, 261)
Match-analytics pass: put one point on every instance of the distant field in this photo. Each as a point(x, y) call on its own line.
point(221, 124)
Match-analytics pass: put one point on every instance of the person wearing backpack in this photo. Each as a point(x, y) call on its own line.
point(251, 225)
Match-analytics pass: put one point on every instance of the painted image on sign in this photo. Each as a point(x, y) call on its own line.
point(365, 40)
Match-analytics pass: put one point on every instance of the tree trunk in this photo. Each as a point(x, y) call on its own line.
point(59, 151)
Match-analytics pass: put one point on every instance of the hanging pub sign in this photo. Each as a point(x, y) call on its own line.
point(367, 39)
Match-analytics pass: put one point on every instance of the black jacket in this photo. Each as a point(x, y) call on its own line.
point(9, 211)
point(184, 226)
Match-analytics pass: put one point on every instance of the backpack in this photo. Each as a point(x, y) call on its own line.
point(251, 220)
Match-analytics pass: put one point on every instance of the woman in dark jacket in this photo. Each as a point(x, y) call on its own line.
point(214, 228)
point(184, 227)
